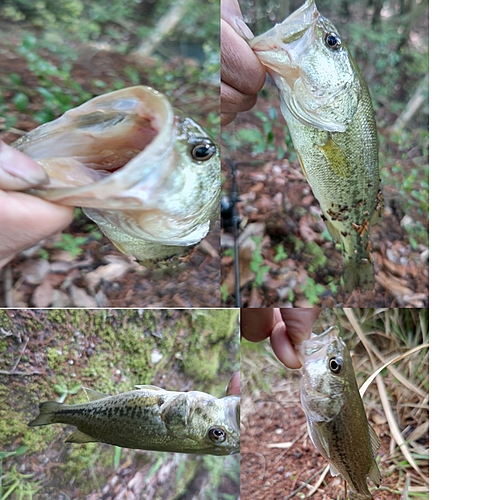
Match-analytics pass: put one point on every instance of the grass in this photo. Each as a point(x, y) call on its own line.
point(397, 404)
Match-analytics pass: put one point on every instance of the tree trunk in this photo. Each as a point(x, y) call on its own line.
point(164, 27)
point(418, 98)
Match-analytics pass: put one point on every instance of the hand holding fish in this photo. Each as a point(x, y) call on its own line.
point(284, 327)
point(242, 74)
point(24, 219)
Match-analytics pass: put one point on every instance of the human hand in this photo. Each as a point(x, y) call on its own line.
point(285, 328)
point(24, 219)
point(242, 74)
point(233, 386)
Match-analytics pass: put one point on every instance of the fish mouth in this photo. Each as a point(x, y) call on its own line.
point(92, 154)
point(280, 47)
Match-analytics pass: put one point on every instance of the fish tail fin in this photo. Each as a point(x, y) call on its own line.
point(358, 274)
point(47, 411)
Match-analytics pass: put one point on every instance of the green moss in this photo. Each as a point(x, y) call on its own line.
point(54, 358)
point(204, 366)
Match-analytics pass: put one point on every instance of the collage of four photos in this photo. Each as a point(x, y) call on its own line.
point(214, 250)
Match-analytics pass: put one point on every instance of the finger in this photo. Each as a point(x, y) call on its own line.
point(25, 220)
point(233, 387)
point(233, 101)
point(257, 324)
point(227, 118)
point(299, 322)
point(283, 347)
point(231, 13)
point(18, 171)
point(240, 67)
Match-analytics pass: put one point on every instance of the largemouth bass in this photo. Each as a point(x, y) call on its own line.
point(327, 106)
point(336, 417)
point(151, 418)
point(148, 176)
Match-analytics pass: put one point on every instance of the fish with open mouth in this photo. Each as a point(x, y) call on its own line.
point(151, 418)
point(327, 106)
point(336, 417)
point(146, 174)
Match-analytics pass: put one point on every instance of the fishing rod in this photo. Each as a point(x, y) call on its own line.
point(231, 219)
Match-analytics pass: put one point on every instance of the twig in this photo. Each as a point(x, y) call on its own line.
point(303, 485)
point(282, 454)
point(24, 374)
point(319, 481)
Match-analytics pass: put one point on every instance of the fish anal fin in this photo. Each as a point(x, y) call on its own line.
point(94, 395)
point(80, 437)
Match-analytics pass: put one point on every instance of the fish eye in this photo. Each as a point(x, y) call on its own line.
point(217, 435)
point(203, 151)
point(332, 41)
point(335, 365)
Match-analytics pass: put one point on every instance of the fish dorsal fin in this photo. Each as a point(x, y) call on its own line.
point(149, 388)
point(94, 395)
point(374, 473)
point(374, 440)
point(81, 437)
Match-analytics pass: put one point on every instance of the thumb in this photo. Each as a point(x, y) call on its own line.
point(231, 13)
point(18, 171)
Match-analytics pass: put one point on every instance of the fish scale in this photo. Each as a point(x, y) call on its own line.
point(152, 418)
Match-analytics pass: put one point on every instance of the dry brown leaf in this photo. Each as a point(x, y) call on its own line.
point(34, 271)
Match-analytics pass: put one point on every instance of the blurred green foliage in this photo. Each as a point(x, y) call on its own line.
point(120, 23)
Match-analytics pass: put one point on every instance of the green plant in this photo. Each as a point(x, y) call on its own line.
point(256, 264)
point(14, 481)
point(280, 253)
point(71, 244)
point(312, 290)
point(63, 391)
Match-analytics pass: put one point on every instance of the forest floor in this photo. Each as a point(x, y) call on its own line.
point(49, 275)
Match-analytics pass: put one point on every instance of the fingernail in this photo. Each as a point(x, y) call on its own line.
point(21, 166)
point(245, 31)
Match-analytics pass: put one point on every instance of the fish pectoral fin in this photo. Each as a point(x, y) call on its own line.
point(336, 158)
point(149, 387)
point(94, 395)
point(80, 437)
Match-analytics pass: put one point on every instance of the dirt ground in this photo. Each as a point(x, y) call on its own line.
point(101, 276)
